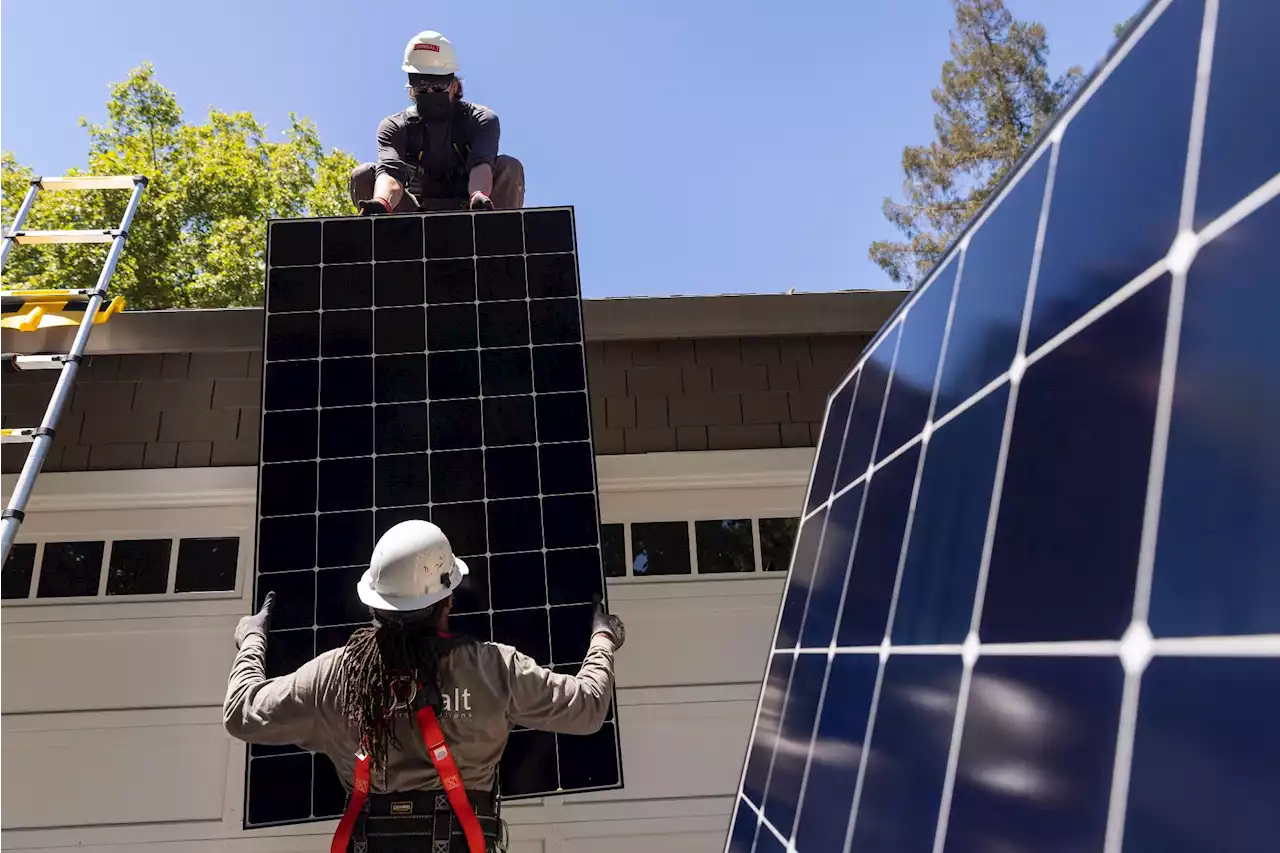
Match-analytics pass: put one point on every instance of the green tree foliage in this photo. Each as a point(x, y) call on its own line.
point(199, 237)
point(995, 97)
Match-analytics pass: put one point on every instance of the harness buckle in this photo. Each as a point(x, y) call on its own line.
point(399, 704)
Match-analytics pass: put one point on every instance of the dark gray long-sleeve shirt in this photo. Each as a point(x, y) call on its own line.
point(488, 688)
point(435, 160)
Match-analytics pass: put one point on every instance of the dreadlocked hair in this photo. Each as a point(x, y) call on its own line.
point(394, 647)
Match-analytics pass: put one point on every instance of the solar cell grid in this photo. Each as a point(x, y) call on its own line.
point(1032, 603)
point(428, 366)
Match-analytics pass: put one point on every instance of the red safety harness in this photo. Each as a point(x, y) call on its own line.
point(442, 759)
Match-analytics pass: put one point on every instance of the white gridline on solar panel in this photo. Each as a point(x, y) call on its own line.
point(472, 256)
point(1137, 646)
point(491, 610)
point(436, 217)
point(318, 264)
point(376, 507)
point(423, 351)
point(529, 394)
point(427, 452)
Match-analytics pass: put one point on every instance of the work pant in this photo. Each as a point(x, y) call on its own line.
point(508, 188)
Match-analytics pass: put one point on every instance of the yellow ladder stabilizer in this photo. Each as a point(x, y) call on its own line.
point(46, 315)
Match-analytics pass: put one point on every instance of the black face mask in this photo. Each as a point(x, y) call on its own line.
point(433, 106)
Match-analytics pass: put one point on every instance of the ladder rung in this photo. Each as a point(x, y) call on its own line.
point(103, 235)
point(33, 296)
point(18, 436)
point(46, 315)
point(39, 363)
point(88, 182)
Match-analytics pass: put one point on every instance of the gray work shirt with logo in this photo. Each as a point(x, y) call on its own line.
point(488, 687)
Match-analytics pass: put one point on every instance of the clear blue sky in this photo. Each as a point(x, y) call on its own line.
point(708, 146)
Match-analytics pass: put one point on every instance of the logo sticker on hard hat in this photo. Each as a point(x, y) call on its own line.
point(434, 48)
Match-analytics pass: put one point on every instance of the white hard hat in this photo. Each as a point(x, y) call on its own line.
point(429, 53)
point(412, 568)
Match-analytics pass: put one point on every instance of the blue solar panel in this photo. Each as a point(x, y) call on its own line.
point(1035, 598)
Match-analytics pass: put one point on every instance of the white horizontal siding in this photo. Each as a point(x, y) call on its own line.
point(111, 710)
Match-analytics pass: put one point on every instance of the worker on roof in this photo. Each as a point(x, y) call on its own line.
point(441, 152)
point(407, 709)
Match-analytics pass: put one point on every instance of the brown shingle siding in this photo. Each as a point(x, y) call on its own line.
point(97, 367)
point(184, 394)
point(236, 452)
point(739, 378)
point(651, 412)
point(743, 436)
point(222, 365)
point(651, 395)
point(103, 396)
point(194, 454)
point(599, 412)
point(617, 353)
point(676, 352)
point(644, 353)
point(111, 427)
point(718, 351)
point(595, 356)
point(795, 435)
point(195, 425)
point(822, 376)
point(173, 365)
point(160, 455)
point(235, 393)
point(794, 350)
point(12, 457)
point(621, 411)
point(705, 409)
point(840, 348)
point(806, 405)
point(250, 424)
point(115, 457)
point(74, 457)
point(24, 403)
point(141, 366)
point(608, 381)
point(760, 351)
point(783, 377)
point(652, 381)
point(769, 407)
point(650, 439)
point(609, 442)
point(696, 379)
point(691, 438)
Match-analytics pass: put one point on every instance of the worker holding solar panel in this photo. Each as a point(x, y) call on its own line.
point(440, 152)
point(414, 717)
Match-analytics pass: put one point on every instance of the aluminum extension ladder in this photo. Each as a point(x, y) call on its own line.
point(42, 301)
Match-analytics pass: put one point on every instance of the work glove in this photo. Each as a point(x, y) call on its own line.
point(258, 623)
point(603, 622)
point(373, 207)
point(480, 201)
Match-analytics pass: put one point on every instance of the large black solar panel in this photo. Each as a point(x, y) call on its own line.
point(1035, 598)
point(428, 366)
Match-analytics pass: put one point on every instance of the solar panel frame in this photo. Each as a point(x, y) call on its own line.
point(1164, 285)
point(553, 323)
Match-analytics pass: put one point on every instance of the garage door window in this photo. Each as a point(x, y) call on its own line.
point(721, 548)
point(132, 568)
